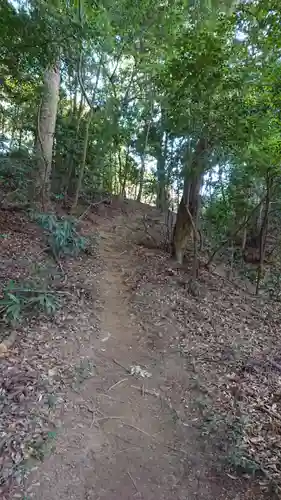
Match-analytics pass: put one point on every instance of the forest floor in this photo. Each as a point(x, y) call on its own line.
point(137, 389)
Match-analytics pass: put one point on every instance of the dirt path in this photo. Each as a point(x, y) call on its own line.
point(119, 436)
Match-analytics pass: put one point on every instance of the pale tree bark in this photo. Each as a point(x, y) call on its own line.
point(47, 116)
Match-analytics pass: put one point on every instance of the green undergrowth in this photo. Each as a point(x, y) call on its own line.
point(61, 233)
point(21, 299)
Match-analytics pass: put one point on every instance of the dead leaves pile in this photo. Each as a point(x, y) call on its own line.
point(232, 344)
point(24, 421)
point(34, 373)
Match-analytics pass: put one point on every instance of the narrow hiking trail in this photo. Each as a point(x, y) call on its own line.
point(119, 436)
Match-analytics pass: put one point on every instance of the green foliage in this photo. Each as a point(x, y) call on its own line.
point(42, 447)
point(84, 371)
point(62, 236)
point(160, 77)
point(227, 432)
point(16, 172)
point(272, 283)
point(25, 298)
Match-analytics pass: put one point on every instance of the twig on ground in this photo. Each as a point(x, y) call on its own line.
point(90, 410)
point(125, 450)
point(146, 391)
point(177, 450)
point(156, 394)
point(121, 366)
point(95, 204)
point(133, 481)
point(117, 383)
point(274, 364)
point(269, 412)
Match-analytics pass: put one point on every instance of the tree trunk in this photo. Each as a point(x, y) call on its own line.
point(72, 154)
point(263, 232)
point(45, 134)
point(142, 171)
point(20, 138)
point(161, 200)
point(13, 133)
point(187, 216)
point(244, 239)
point(3, 123)
point(161, 186)
point(125, 176)
point(83, 162)
point(119, 163)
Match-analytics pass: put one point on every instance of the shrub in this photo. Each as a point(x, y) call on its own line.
point(21, 299)
point(272, 284)
point(16, 172)
point(62, 236)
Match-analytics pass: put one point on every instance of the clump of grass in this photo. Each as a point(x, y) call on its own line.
point(84, 371)
point(62, 235)
point(226, 433)
point(21, 299)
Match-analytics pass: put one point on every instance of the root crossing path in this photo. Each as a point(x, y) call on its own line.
point(119, 435)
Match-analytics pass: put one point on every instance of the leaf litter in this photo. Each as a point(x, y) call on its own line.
point(33, 372)
point(231, 342)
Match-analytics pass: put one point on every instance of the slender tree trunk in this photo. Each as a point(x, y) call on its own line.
point(244, 239)
point(45, 134)
point(71, 154)
point(161, 187)
point(263, 232)
point(161, 200)
point(20, 138)
point(111, 174)
point(161, 176)
point(125, 176)
point(142, 171)
point(83, 162)
point(74, 108)
point(119, 158)
point(3, 124)
point(12, 136)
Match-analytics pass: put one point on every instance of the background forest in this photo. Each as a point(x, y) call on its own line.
point(160, 102)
